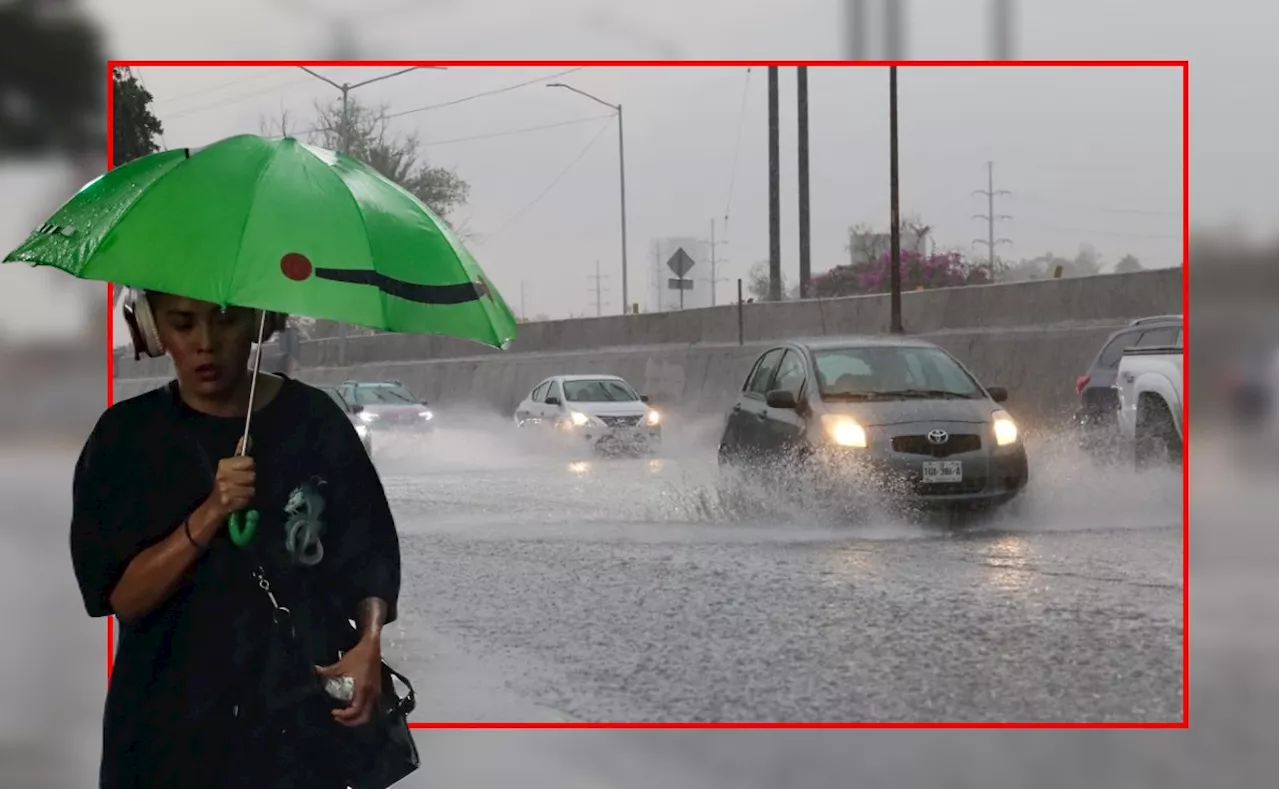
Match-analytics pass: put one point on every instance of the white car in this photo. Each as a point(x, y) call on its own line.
point(603, 410)
point(1149, 396)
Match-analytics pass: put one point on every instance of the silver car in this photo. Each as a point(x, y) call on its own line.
point(880, 416)
point(353, 413)
point(603, 410)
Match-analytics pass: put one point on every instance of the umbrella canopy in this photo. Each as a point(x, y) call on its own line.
point(277, 225)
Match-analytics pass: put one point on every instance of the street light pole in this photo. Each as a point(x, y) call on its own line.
point(345, 89)
point(622, 183)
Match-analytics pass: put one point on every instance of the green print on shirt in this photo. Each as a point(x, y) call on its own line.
point(303, 526)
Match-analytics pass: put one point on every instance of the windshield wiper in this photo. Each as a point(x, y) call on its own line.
point(925, 394)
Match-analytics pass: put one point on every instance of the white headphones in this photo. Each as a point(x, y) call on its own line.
point(146, 334)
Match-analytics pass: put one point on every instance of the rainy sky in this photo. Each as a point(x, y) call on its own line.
point(1090, 156)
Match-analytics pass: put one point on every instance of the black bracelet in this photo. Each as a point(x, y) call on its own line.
point(186, 529)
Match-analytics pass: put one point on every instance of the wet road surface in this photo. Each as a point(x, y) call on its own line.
point(51, 677)
point(645, 590)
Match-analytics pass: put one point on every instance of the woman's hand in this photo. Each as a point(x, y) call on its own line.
point(364, 665)
point(233, 487)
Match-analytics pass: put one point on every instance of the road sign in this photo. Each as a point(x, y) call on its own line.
point(679, 284)
point(680, 263)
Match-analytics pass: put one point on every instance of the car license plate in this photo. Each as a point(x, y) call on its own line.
point(942, 471)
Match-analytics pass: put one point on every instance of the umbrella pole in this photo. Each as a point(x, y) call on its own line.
point(242, 526)
point(253, 383)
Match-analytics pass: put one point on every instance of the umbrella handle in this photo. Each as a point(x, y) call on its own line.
point(242, 527)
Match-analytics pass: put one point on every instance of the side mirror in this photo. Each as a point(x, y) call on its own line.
point(553, 400)
point(998, 393)
point(644, 398)
point(780, 398)
point(357, 408)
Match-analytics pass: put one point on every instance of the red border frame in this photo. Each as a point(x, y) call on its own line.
point(1182, 64)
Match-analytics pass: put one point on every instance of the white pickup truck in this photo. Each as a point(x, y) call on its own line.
point(1149, 391)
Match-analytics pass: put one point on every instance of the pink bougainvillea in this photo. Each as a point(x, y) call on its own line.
point(945, 270)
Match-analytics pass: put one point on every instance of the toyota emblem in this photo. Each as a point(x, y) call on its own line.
point(938, 436)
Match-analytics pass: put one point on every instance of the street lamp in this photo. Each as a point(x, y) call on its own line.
point(345, 88)
point(622, 182)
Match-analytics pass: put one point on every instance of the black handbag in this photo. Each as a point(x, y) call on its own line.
point(296, 715)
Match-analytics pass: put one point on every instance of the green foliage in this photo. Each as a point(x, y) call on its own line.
point(134, 128)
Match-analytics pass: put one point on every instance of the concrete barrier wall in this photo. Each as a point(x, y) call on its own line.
point(1038, 365)
point(1033, 338)
point(1109, 297)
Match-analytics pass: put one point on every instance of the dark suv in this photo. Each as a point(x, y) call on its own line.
point(1095, 414)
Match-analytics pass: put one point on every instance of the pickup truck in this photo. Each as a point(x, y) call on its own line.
point(1149, 395)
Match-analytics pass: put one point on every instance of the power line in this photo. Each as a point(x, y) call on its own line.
point(737, 149)
point(1096, 232)
point(525, 130)
point(237, 98)
point(1099, 208)
point(512, 220)
point(213, 89)
point(486, 93)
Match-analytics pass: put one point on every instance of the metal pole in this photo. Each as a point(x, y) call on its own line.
point(802, 108)
point(346, 150)
point(775, 208)
point(739, 310)
point(991, 220)
point(713, 262)
point(622, 185)
point(895, 240)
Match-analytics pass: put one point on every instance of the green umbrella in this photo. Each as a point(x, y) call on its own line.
point(276, 225)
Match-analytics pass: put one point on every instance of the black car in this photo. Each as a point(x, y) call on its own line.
point(1095, 414)
point(870, 416)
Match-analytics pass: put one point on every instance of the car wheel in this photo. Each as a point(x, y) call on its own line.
point(1156, 439)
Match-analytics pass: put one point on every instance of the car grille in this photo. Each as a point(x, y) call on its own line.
point(920, 445)
point(620, 421)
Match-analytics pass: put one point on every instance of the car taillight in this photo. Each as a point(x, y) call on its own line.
point(1081, 383)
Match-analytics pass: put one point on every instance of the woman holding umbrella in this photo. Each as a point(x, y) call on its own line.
point(155, 487)
point(182, 525)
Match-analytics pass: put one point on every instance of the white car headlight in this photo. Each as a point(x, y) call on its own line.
point(844, 431)
point(578, 418)
point(653, 418)
point(1006, 431)
point(367, 417)
point(427, 415)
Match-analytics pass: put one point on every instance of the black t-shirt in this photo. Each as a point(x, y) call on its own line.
point(183, 671)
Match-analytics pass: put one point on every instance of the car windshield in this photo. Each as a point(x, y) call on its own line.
point(601, 391)
point(389, 394)
point(888, 371)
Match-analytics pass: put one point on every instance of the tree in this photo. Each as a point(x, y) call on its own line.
point(365, 133)
point(1128, 265)
point(945, 270)
point(133, 128)
point(51, 80)
point(757, 284)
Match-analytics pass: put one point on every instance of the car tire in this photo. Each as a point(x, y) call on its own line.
point(1156, 439)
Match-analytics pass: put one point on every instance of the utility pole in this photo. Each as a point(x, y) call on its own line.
point(802, 123)
point(524, 315)
point(895, 235)
point(345, 89)
point(991, 217)
point(1002, 23)
point(598, 277)
point(775, 205)
point(715, 281)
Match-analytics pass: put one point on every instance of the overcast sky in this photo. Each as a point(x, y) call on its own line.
point(1089, 155)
